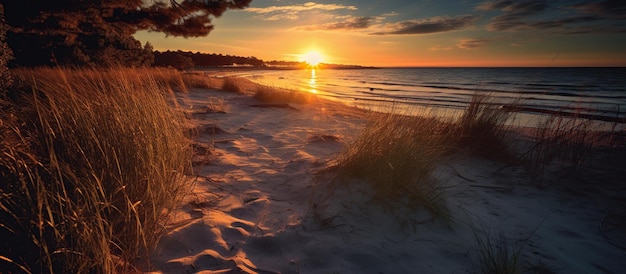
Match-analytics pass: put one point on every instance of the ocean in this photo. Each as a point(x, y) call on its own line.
point(596, 92)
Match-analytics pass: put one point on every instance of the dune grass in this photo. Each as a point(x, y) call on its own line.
point(496, 254)
point(481, 128)
point(396, 154)
point(273, 95)
point(179, 81)
point(231, 84)
point(570, 141)
point(92, 161)
point(199, 80)
point(499, 254)
point(265, 94)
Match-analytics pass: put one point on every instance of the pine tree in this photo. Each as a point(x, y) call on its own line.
point(99, 32)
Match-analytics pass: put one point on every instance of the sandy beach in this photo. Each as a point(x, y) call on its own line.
point(251, 136)
point(259, 204)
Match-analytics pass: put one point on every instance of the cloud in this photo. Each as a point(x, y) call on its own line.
point(538, 15)
point(292, 11)
point(426, 26)
point(472, 43)
point(351, 23)
point(516, 13)
point(611, 8)
point(515, 7)
point(390, 14)
point(440, 48)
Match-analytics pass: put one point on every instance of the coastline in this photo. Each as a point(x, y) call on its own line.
point(587, 93)
point(255, 206)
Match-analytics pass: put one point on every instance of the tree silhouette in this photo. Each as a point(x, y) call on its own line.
point(173, 59)
point(5, 55)
point(99, 32)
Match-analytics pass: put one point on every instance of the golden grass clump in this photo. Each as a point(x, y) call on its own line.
point(231, 84)
point(396, 156)
point(179, 81)
point(170, 78)
point(92, 161)
point(199, 80)
point(272, 95)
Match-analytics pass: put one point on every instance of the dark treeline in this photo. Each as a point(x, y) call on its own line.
point(186, 60)
point(6, 54)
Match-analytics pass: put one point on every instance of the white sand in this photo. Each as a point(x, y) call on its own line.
point(251, 210)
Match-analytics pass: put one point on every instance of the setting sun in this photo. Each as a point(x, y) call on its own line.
point(313, 58)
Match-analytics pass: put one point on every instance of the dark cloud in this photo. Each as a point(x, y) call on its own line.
point(494, 5)
point(611, 8)
point(431, 25)
point(532, 14)
point(561, 23)
point(349, 24)
point(515, 7)
point(516, 13)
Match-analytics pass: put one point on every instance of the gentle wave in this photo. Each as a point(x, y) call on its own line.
point(597, 91)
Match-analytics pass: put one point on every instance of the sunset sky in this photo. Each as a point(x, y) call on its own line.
point(419, 32)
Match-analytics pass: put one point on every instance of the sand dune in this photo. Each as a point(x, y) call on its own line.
point(257, 205)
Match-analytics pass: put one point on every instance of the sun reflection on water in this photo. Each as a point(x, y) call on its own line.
point(313, 82)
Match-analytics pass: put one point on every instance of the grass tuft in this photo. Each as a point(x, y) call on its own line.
point(569, 140)
point(481, 128)
point(92, 162)
point(199, 80)
point(496, 255)
point(231, 85)
point(272, 95)
point(396, 155)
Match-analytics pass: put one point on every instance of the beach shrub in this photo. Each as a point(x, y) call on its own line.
point(395, 156)
point(92, 161)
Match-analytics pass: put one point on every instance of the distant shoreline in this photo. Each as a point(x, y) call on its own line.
point(322, 66)
point(358, 67)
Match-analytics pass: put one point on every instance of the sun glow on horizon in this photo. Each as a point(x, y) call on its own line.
point(313, 58)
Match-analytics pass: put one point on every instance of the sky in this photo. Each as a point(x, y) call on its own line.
point(419, 32)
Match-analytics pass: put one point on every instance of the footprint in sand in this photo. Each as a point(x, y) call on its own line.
point(210, 260)
point(236, 233)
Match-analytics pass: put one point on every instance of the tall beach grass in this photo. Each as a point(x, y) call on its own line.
point(481, 128)
point(92, 161)
point(497, 254)
point(397, 154)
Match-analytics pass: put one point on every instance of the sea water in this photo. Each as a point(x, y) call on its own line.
point(592, 91)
